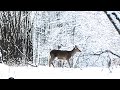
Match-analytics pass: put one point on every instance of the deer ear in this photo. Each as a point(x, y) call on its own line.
point(75, 46)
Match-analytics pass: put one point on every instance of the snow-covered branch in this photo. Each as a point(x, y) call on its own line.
point(106, 51)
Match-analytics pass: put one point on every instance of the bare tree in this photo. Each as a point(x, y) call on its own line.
point(16, 36)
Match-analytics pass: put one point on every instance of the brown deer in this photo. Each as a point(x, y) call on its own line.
point(64, 55)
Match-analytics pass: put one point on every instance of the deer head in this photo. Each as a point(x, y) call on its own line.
point(77, 49)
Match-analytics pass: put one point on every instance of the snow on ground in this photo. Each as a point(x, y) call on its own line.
point(45, 72)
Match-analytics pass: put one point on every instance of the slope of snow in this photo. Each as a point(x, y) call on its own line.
point(44, 72)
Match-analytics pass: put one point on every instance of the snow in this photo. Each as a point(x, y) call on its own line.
point(93, 33)
point(45, 72)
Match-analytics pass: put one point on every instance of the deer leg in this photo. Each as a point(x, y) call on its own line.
point(69, 63)
point(52, 64)
point(59, 63)
point(62, 64)
point(0, 60)
point(50, 61)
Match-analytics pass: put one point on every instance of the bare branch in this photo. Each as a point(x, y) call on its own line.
point(112, 22)
point(116, 17)
point(3, 50)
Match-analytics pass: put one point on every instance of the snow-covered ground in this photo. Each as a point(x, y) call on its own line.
point(93, 33)
point(45, 72)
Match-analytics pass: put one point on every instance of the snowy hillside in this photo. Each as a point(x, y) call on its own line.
point(44, 72)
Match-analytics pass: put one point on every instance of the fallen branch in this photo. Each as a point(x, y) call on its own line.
point(106, 51)
point(98, 54)
point(32, 65)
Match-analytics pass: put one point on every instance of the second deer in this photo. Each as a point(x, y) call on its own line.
point(64, 55)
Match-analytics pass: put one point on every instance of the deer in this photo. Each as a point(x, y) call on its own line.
point(62, 55)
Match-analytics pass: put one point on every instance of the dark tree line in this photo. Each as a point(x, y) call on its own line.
point(16, 37)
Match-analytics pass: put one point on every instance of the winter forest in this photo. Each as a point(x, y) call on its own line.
point(28, 37)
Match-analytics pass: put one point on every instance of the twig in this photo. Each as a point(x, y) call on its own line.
point(16, 47)
point(112, 53)
point(116, 17)
point(2, 49)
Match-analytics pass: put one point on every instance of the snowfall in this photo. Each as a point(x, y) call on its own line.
point(94, 33)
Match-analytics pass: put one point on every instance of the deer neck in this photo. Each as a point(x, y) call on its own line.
point(73, 52)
